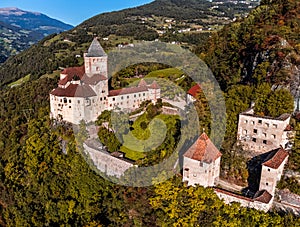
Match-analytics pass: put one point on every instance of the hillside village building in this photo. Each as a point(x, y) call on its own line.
point(83, 94)
point(261, 133)
point(192, 94)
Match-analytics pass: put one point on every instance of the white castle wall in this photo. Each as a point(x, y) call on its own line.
point(106, 163)
point(95, 65)
point(261, 134)
point(204, 174)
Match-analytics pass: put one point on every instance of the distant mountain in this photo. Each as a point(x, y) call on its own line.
point(32, 21)
point(20, 29)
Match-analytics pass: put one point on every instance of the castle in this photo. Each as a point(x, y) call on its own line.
point(261, 133)
point(83, 94)
point(264, 136)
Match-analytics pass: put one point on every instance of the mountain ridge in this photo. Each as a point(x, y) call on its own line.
point(20, 29)
point(130, 23)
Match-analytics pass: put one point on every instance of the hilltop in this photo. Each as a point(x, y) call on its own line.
point(159, 19)
point(45, 181)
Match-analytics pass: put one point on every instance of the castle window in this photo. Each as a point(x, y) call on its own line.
point(127, 96)
point(273, 136)
point(246, 121)
point(255, 131)
point(134, 95)
point(100, 99)
point(274, 126)
point(245, 132)
point(264, 134)
point(252, 122)
point(139, 95)
point(78, 101)
point(104, 98)
point(143, 94)
point(122, 97)
point(267, 183)
point(97, 69)
point(264, 142)
point(186, 170)
point(103, 91)
point(254, 140)
point(70, 100)
point(70, 107)
point(201, 164)
point(121, 103)
point(114, 99)
point(259, 121)
point(267, 125)
point(269, 170)
point(110, 105)
point(194, 174)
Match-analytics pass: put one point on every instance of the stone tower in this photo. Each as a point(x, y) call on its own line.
point(95, 60)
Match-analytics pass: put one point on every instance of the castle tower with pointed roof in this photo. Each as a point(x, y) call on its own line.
point(201, 163)
point(95, 60)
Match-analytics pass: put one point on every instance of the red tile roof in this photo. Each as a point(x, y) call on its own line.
point(154, 85)
point(263, 196)
point(128, 90)
point(194, 90)
point(277, 158)
point(74, 90)
point(142, 83)
point(71, 72)
point(203, 150)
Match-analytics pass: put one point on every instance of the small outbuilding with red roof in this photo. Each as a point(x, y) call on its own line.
point(201, 162)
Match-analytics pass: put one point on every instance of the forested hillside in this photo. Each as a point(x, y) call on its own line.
point(140, 23)
point(40, 185)
point(256, 60)
point(20, 29)
point(264, 47)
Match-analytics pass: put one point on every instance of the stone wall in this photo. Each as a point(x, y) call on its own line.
point(229, 197)
point(106, 163)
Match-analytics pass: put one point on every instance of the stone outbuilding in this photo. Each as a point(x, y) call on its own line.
point(201, 163)
point(272, 169)
point(261, 133)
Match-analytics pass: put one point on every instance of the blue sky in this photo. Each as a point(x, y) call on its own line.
point(72, 12)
